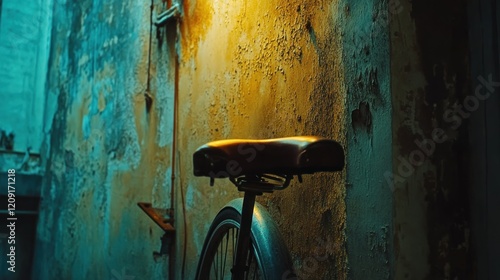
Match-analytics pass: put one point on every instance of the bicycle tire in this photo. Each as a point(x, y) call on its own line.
point(268, 249)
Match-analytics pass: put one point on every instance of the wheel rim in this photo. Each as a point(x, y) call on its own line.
point(223, 253)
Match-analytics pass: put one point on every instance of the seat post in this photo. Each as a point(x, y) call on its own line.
point(244, 235)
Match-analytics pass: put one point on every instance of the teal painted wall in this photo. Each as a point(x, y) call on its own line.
point(369, 200)
point(106, 151)
point(24, 45)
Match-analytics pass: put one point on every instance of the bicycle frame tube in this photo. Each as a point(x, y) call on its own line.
point(244, 235)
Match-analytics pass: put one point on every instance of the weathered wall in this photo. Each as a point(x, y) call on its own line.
point(369, 74)
point(106, 151)
point(369, 203)
point(24, 42)
point(389, 79)
point(432, 101)
point(24, 45)
point(259, 71)
point(268, 70)
point(300, 67)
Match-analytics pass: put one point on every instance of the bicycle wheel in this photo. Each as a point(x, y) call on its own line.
point(268, 257)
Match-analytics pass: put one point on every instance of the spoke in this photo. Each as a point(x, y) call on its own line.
point(235, 238)
point(214, 264)
point(249, 258)
point(225, 255)
point(255, 272)
point(234, 232)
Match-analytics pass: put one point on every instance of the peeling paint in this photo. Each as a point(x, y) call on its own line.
point(329, 68)
point(104, 155)
point(253, 71)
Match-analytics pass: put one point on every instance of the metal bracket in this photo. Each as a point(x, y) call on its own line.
point(262, 183)
point(166, 245)
point(172, 13)
point(163, 220)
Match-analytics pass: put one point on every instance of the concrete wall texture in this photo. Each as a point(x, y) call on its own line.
point(106, 151)
point(430, 154)
point(367, 73)
point(24, 43)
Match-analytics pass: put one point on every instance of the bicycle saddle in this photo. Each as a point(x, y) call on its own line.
point(282, 156)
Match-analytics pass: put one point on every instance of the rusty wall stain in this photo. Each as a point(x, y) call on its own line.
point(259, 73)
point(197, 17)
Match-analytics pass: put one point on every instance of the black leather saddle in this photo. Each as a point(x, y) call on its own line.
point(280, 156)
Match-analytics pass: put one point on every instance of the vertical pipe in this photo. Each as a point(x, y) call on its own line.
point(148, 83)
point(174, 152)
point(174, 134)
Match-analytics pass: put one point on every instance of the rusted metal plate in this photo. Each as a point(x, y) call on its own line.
point(163, 222)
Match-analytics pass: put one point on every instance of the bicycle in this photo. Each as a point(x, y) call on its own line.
point(243, 235)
